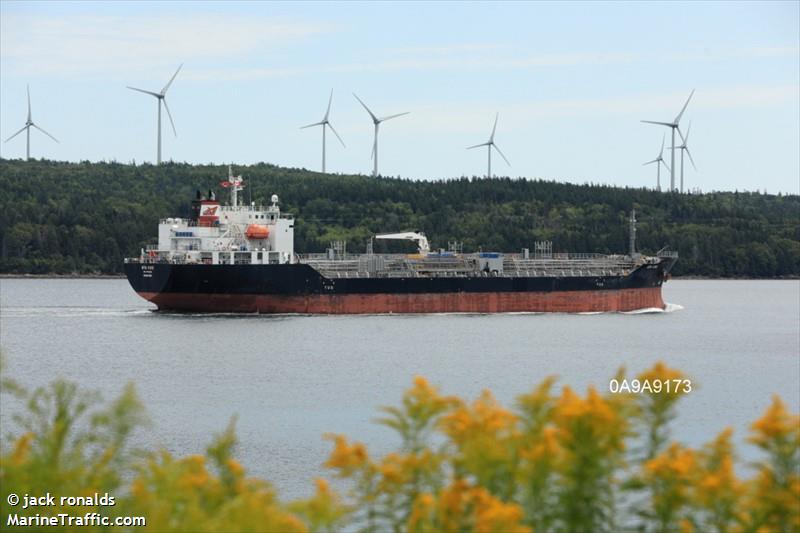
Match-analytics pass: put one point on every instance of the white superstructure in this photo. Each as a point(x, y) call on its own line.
point(226, 234)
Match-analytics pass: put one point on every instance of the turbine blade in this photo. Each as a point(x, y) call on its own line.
point(151, 93)
point(328, 111)
point(334, 132)
point(688, 131)
point(690, 157)
point(478, 145)
point(393, 116)
point(374, 118)
point(683, 139)
point(29, 103)
point(20, 131)
point(40, 129)
point(501, 154)
point(170, 116)
point(164, 90)
point(651, 162)
point(654, 122)
point(496, 116)
point(665, 164)
point(678, 118)
point(663, 138)
point(310, 125)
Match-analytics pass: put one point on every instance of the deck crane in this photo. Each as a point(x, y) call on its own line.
point(418, 237)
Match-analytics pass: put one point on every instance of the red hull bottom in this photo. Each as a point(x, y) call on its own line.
point(493, 302)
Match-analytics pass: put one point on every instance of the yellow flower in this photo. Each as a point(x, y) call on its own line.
point(545, 448)
point(492, 515)
point(323, 487)
point(423, 401)
point(570, 405)
point(346, 456)
point(675, 463)
point(719, 482)
point(661, 372)
point(139, 488)
point(453, 498)
point(592, 418)
point(710, 483)
point(393, 471)
point(420, 512)
point(235, 467)
point(195, 474)
point(485, 417)
point(776, 424)
point(21, 448)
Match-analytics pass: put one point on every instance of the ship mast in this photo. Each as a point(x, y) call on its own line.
point(235, 183)
point(632, 235)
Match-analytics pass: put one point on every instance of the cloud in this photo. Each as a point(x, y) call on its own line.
point(108, 46)
point(480, 57)
point(458, 117)
point(239, 48)
point(448, 49)
point(721, 54)
point(450, 62)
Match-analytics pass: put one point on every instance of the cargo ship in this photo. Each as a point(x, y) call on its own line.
point(240, 258)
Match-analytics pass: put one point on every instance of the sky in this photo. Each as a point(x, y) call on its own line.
point(570, 81)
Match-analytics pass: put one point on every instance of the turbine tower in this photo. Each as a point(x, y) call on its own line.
point(659, 161)
point(674, 126)
point(161, 97)
point(377, 121)
point(489, 145)
point(684, 147)
point(325, 123)
point(27, 128)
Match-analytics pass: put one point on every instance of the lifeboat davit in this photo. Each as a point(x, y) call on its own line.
point(256, 231)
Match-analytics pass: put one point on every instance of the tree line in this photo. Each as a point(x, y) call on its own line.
point(65, 218)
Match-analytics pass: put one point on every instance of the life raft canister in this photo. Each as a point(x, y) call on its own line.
point(256, 231)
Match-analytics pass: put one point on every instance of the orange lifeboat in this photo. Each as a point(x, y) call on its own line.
point(256, 231)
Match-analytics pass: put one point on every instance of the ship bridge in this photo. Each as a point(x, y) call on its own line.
point(225, 234)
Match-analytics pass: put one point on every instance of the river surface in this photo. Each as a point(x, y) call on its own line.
point(291, 379)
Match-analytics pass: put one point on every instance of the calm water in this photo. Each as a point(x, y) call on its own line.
point(291, 379)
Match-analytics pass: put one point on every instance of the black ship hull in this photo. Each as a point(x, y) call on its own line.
point(299, 288)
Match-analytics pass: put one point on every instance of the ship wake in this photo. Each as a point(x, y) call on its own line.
point(670, 308)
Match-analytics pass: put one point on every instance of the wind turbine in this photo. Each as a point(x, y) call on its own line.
point(659, 161)
point(685, 148)
point(161, 97)
point(489, 145)
point(674, 126)
point(27, 126)
point(325, 123)
point(377, 121)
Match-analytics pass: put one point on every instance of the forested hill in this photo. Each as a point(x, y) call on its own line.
point(62, 218)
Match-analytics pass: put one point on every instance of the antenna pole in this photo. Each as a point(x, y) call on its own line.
point(232, 186)
point(632, 236)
